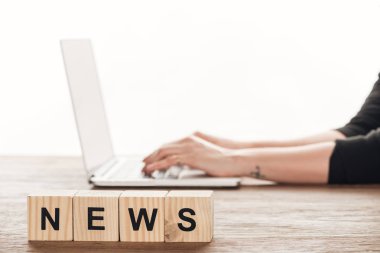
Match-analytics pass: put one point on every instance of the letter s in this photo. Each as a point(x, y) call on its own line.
point(186, 218)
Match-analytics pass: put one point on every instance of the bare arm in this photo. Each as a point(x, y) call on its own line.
point(331, 135)
point(319, 158)
point(300, 164)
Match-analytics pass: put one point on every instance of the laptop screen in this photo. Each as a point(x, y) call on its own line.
point(87, 102)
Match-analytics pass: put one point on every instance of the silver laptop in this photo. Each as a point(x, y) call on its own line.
point(102, 166)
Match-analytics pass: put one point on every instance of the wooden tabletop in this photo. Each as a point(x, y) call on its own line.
point(265, 218)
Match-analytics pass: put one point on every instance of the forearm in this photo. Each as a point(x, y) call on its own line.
point(328, 136)
point(302, 164)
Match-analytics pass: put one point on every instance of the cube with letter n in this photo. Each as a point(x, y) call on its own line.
point(50, 216)
point(96, 215)
point(189, 216)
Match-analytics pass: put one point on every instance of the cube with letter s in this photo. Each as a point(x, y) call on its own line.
point(189, 216)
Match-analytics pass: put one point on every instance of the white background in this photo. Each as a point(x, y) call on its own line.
point(239, 69)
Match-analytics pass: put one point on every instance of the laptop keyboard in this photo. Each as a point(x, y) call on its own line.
point(173, 172)
point(178, 172)
point(124, 168)
point(130, 169)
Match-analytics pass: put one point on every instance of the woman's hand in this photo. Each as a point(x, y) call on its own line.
point(196, 153)
point(297, 164)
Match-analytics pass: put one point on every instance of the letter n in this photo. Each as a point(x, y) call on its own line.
point(46, 215)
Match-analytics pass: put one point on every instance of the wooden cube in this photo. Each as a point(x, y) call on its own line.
point(96, 215)
point(189, 216)
point(50, 216)
point(142, 216)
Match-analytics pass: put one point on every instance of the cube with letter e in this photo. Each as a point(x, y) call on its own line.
point(50, 216)
point(96, 215)
point(189, 216)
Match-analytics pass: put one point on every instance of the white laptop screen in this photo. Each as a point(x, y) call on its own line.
point(87, 102)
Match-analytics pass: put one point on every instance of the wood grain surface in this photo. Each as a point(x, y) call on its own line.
point(201, 203)
point(51, 200)
point(265, 218)
point(149, 200)
point(109, 201)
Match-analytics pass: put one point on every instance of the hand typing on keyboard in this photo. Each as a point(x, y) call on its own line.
point(197, 153)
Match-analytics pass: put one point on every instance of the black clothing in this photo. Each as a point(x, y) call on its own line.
point(356, 160)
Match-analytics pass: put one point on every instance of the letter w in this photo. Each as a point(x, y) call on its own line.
point(142, 213)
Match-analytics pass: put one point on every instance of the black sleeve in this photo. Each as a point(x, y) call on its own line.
point(356, 160)
point(368, 118)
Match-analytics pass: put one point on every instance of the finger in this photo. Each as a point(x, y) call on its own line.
point(162, 164)
point(164, 151)
point(165, 163)
point(188, 139)
point(182, 141)
point(149, 157)
point(168, 151)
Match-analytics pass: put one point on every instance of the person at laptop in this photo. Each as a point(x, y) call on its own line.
point(347, 155)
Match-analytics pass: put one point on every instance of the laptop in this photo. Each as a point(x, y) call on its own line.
point(103, 167)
